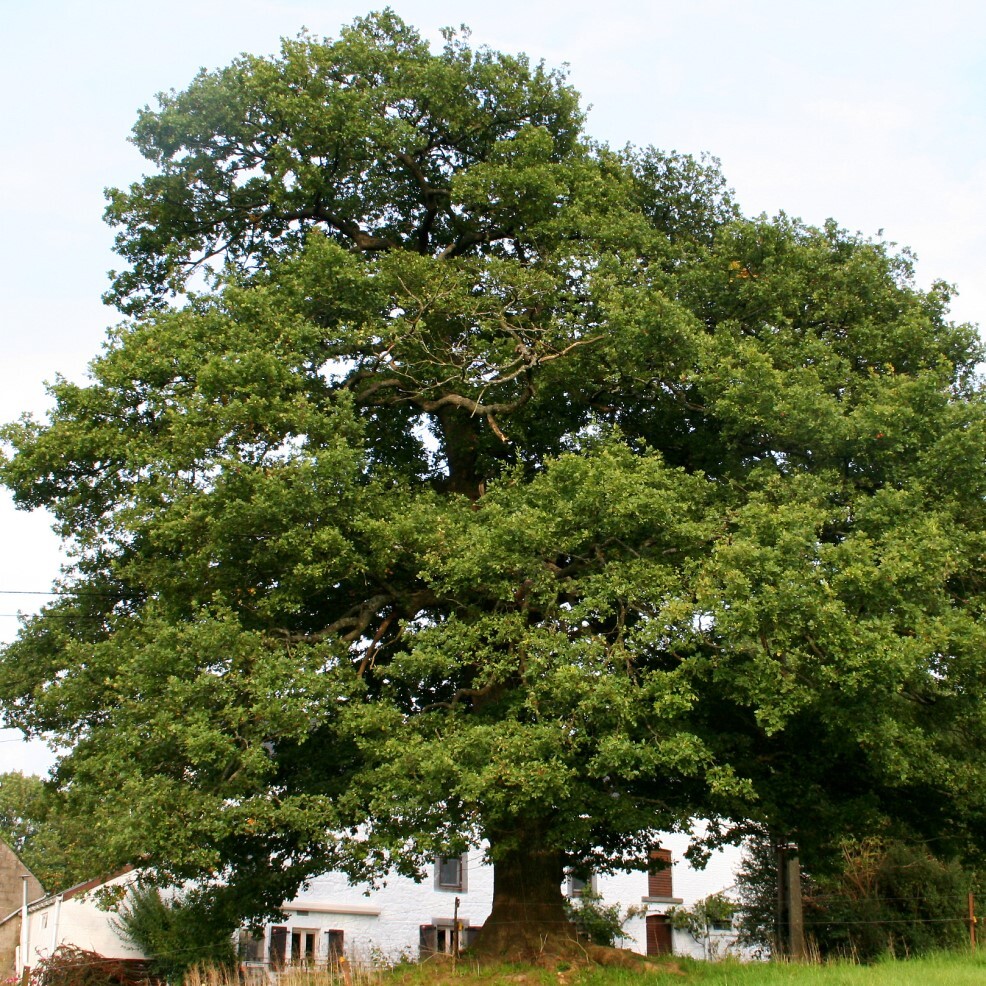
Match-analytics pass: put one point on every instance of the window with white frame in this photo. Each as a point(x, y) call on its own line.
point(450, 873)
point(578, 884)
point(303, 946)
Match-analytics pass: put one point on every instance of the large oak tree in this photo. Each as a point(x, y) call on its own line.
point(494, 487)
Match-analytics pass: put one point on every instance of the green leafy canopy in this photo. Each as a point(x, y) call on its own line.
point(500, 486)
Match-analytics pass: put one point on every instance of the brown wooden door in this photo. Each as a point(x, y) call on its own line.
point(658, 934)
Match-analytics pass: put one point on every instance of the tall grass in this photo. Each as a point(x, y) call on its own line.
point(946, 969)
point(342, 975)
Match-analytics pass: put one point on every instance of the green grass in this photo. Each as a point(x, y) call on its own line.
point(938, 970)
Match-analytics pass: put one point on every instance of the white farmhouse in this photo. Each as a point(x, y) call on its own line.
point(403, 918)
point(330, 918)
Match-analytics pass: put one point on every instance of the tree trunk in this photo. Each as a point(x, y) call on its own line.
point(460, 437)
point(528, 921)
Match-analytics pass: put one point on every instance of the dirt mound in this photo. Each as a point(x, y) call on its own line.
point(552, 952)
point(565, 958)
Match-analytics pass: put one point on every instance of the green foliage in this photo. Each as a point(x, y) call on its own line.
point(52, 844)
point(500, 487)
point(21, 811)
point(371, 137)
point(712, 913)
point(177, 932)
point(876, 896)
point(889, 897)
point(755, 889)
point(600, 923)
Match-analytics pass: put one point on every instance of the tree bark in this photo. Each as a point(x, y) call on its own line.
point(460, 434)
point(528, 919)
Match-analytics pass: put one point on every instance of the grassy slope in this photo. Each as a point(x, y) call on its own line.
point(944, 970)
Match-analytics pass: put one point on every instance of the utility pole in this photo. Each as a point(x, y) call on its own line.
point(795, 912)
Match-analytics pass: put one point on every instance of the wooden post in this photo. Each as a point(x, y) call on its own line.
point(790, 925)
point(973, 921)
point(780, 911)
point(455, 931)
point(795, 913)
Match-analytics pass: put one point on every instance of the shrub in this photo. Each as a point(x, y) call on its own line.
point(883, 896)
point(890, 897)
point(706, 915)
point(177, 933)
point(601, 923)
point(755, 892)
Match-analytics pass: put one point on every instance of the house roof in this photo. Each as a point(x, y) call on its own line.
point(81, 888)
point(31, 906)
point(40, 903)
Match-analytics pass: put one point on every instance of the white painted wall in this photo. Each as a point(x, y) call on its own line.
point(398, 909)
point(689, 885)
point(392, 915)
point(76, 921)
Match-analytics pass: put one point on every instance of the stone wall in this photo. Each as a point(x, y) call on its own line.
point(12, 873)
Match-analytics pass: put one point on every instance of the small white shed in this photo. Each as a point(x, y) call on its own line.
point(79, 916)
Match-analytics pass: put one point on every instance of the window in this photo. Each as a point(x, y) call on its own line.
point(450, 873)
point(303, 947)
point(578, 884)
point(440, 937)
point(250, 947)
point(659, 882)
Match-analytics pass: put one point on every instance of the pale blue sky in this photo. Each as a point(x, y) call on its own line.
point(870, 112)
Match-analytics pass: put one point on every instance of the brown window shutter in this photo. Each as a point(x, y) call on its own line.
point(335, 945)
point(278, 946)
point(659, 874)
point(427, 940)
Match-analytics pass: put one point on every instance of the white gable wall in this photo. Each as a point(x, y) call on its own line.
point(385, 923)
point(76, 920)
